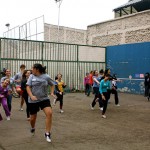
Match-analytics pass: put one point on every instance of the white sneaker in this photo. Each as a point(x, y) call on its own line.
point(101, 108)
point(54, 102)
point(48, 137)
point(92, 108)
point(21, 109)
point(61, 111)
point(103, 116)
point(117, 105)
point(8, 118)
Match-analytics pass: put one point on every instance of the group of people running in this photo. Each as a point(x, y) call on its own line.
point(102, 84)
point(32, 86)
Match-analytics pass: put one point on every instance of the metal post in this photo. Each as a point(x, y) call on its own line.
point(7, 25)
point(59, 4)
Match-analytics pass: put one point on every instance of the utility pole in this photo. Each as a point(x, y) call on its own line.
point(58, 2)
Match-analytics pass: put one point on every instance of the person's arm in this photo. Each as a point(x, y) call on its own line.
point(94, 79)
point(30, 93)
point(52, 90)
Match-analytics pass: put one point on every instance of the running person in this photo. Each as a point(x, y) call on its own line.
point(59, 91)
point(18, 78)
point(114, 89)
point(37, 89)
point(11, 87)
point(96, 82)
point(25, 77)
point(86, 84)
point(4, 95)
point(104, 91)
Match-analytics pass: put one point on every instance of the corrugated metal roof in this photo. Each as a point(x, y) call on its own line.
point(129, 3)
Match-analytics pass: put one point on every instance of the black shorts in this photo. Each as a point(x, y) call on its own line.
point(35, 107)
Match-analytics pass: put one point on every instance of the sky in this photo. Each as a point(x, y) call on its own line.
point(73, 13)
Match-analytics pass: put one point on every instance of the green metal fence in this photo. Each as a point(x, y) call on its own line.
point(72, 61)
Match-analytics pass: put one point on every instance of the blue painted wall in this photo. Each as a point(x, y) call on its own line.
point(129, 60)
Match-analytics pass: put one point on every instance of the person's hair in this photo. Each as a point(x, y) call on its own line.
point(107, 75)
point(24, 74)
point(94, 72)
point(114, 76)
point(87, 73)
point(59, 74)
point(106, 71)
point(22, 66)
point(42, 69)
point(101, 71)
point(6, 79)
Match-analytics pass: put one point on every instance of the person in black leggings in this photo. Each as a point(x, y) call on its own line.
point(25, 77)
point(96, 82)
point(113, 90)
point(104, 92)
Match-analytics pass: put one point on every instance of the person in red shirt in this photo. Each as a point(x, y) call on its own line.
point(91, 80)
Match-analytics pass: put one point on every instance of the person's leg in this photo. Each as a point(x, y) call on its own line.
point(5, 106)
point(21, 103)
point(85, 89)
point(1, 118)
point(115, 92)
point(105, 102)
point(48, 121)
point(19, 91)
point(96, 98)
point(94, 102)
point(100, 101)
point(146, 90)
point(33, 120)
point(148, 96)
point(104, 106)
point(61, 103)
point(88, 90)
point(9, 100)
point(25, 96)
point(33, 108)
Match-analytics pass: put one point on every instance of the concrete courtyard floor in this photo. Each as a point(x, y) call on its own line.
point(79, 128)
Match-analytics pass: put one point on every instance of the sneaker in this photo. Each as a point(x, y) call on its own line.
point(117, 105)
point(8, 118)
point(101, 108)
point(61, 111)
point(21, 109)
point(32, 130)
point(54, 102)
point(48, 137)
point(103, 116)
point(92, 108)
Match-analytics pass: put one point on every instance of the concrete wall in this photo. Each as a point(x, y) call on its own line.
point(133, 28)
point(128, 29)
point(66, 35)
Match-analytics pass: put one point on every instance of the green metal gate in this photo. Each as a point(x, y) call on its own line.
point(72, 61)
